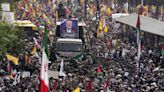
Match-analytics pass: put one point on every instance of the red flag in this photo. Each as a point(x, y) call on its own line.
point(13, 73)
point(89, 86)
point(106, 84)
point(99, 69)
point(138, 22)
point(110, 44)
point(36, 42)
point(55, 85)
point(31, 9)
point(9, 67)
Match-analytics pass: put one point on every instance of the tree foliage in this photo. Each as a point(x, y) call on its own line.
point(10, 39)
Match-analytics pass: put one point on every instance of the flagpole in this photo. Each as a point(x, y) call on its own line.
point(141, 7)
point(139, 39)
point(44, 82)
point(138, 44)
point(138, 51)
point(86, 8)
point(141, 2)
point(97, 14)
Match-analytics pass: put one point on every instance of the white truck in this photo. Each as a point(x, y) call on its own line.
point(71, 37)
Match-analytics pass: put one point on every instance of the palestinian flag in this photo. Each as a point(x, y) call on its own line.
point(100, 73)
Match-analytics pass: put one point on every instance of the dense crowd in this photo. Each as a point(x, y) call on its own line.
point(108, 64)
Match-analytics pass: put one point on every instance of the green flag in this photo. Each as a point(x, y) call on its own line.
point(102, 76)
point(162, 52)
point(45, 40)
point(78, 56)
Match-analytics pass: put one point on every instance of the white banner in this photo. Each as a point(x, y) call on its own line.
point(8, 16)
point(5, 6)
point(25, 74)
point(53, 74)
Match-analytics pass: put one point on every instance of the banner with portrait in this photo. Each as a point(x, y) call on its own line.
point(69, 29)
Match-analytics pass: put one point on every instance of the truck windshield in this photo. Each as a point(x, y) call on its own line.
point(69, 47)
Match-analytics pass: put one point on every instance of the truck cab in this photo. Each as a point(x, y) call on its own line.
point(70, 37)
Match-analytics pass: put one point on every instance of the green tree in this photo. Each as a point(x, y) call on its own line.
point(10, 39)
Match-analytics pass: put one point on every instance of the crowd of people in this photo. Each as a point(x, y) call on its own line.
point(108, 64)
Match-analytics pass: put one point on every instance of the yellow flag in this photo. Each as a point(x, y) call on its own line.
point(76, 90)
point(145, 12)
point(13, 59)
point(108, 10)
point(34, 50)
point(97, 33)
point(48, 20)
point(56, 15)
point(138, 6)
point(153, 7)
point(146, 8)
point(38, 14)
point(23, 14)
point(116, 45)
point(40, 6)
point(44, 15)
point(34, 1)
point(100, 24)
point(81, 1)
point(11, 76)
point(101, 8)
point(91, 11)
point(162, 9)
point(106, 29)
point(33, 12)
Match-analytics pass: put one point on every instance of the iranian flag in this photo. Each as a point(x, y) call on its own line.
point(44, 82)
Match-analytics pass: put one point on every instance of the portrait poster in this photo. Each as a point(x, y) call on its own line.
point(69, 29)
